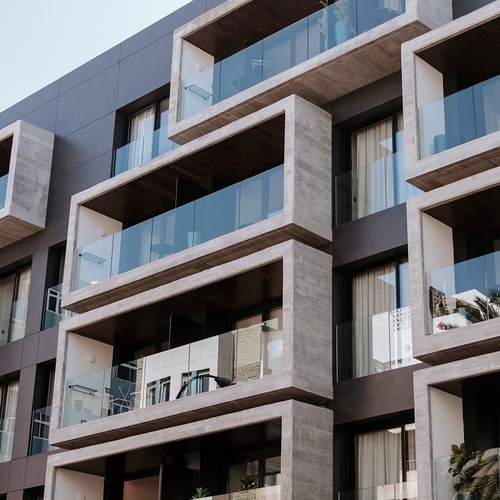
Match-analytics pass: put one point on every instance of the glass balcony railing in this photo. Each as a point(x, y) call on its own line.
point(463, 294)
point(397, 491)
point(13, 321)
point(217, 214)
point(3, 189)
point(264, 493)
point(460, 118)
point(374, 344)
point(372, 188)
point(231, 358)
point(54, 313)
point(6, 438)
point(142, 150)
point(281, 51)
point(40, 431)
point(475, 477)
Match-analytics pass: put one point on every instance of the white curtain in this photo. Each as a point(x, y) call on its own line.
point(21, 305)
point(8, 395)
point(142, 126)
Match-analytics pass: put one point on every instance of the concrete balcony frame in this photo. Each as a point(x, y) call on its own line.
point(28, 181)
point(306, 212)
point(438, 413)
point(307, 349)
point(323, 78)
point(423, 85)
point(431, 218)
point(306, 444)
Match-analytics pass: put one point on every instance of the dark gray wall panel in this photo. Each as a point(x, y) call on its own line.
point(47, 346)
point(44, 116)
point(87, 103)
point(462, 7)
point(4, 476)
point(82, 146)
point(11, 355)
point(30, 350)
point(145, 71)
point(16, 476)
point(35, 466)
point(213, 3)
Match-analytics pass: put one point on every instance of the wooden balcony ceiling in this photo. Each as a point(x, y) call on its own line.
point(472, 56)
point(226, 298)
point(250, 439)
point(479, 212)
point(234, 159)
point(5, 152)
point(250, 23)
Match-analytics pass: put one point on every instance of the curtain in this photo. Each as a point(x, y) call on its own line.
point(8, 395)
point(142, 126)
point(378, 458)
point(374, 293)
point(21, 304)
point(6, 298)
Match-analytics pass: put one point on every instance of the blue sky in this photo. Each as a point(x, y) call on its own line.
point(43, 40)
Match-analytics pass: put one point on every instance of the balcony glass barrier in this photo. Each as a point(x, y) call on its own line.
point(375, 344)
point(6, 438)
point(283, 50)
point(460, 118)
point(13, 321)
point(142, 150)
point(372, 188)
point(398, 491)
point(463, 294)
point(217, 214)
point(231, 358)
point(475, 477)
point(264, 493)
point(40, 431)
point(3, 189)
point(54, 313)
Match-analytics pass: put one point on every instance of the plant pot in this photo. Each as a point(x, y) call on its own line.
point(342, 31)
point(466, 495)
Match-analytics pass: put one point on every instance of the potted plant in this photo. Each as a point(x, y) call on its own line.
point(342, 27)
point(464, 463)
point(246, 488)
point(201, 492)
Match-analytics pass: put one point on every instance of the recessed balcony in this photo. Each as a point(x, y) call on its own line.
point(375, 344)
point(25, 165)
point(225, 67)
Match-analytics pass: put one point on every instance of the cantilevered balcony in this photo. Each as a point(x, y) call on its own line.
point(464, 293)
point(227, 210)
point(225, 67)
point(376, 344)
point(372, 188)
point(231, 358)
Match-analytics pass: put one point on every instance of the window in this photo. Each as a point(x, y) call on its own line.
point(158, 391)
point(195, 382)
point(14, 290)
point(385, 456)
point(8, 404)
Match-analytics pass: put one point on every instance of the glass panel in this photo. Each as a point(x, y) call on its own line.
point(460, 117)
point(207, 218)
point(280, 51)
point(398, 491)
point(8, 422)
point(233, 357)
point(3, 189)
point(40, 431)
point(54, 313)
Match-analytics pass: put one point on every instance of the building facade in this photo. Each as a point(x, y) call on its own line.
point(250, 253)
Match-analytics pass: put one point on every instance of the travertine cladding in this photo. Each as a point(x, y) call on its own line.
point(461, 342)
point(28, 182)
point(423, 381)
point(306, 446)
point(458, 162)
point(307, 347)
point(321, 79)
point(306, 215)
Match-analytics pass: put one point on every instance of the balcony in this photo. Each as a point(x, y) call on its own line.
point(40, 427)
point(25, 166)
point(459, 118)
point(289, 47)
point(13, 321)
point(374, 344)
point(227, 210)
point(464, 293)
point(142, 150)
point(473, 474)
point(372, 188)
point(54, 313)
point(397, 491)
point(228, 359)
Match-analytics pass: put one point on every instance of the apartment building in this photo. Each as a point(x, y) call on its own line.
point(251, 253)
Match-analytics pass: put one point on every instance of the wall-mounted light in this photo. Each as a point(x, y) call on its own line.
point(90, 358)
point(101, 232)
